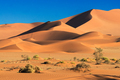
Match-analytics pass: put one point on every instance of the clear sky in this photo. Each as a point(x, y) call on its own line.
point(28, 11)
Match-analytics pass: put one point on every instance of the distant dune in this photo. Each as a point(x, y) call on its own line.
point(76, 34)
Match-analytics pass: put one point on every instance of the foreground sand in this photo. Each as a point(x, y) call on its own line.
point(51, 72)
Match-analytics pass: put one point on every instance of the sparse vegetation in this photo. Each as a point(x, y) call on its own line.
point(72, 62)
point(60, 62)
point(3, 61)
point(98, 55)
point(74, 58)
point(36, 57)
point(25, 57)
point(81, 67)
point(107, 61)
point(113, 59)
point(104, 58)
point(28, 58)
point(117, 66)
point(30, 69)
point(117, 61)
point(83, 59)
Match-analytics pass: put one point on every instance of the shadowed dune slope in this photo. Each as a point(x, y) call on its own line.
point(68, 28)
point(106, 22)
point(9, 30)
point(63, 46)
point(78, 20)
point(50, 35)
point(45, 26)
point(91, 35)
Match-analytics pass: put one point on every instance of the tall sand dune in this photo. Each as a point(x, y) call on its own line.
point(78, 20)
point(106, 22)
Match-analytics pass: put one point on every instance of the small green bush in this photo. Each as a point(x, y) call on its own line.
point(117, 61)
point(104, 58)
point(74, 58)
point(36, 57)
point(28, 58)
point(72, 62)
point(107, 61)
point(3, 61)
point(29, 69)
point(81, 67)
point(113, 59)
point(83, 59)
point(61, 62)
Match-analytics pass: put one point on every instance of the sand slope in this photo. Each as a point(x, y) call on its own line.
point(106, 22)
point(78, 33)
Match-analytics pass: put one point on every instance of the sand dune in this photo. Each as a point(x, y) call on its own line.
point(78, 33)
point(11, 47)
point(78, 20)
point(9, 30)
point(50, 35)
point(106, 22)
point(91, 35)
point(37, 23)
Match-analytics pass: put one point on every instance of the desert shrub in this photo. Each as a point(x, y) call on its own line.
point(45, 58)
point(113, 59)
point(81, 67)
point(98, 55)
point(49, 58)
point(72, 62)
point(24, 57)
point(104, 58)
point(78, 60)
point(36, 57)
point(61, 62)
point(28, 58)
point(46, 62)
point(117, 61)
point(74, 58)
point(117, 66)
point(107, 61)
point(29, 69)
point(83, 59)
point(3, 61)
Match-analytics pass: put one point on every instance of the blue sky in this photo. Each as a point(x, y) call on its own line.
point(28, 11)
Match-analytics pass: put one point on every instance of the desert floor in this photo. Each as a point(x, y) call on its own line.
point(61, 71)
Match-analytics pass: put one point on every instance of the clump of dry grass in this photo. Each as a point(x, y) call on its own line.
point(81, 67)
point(30, 69)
